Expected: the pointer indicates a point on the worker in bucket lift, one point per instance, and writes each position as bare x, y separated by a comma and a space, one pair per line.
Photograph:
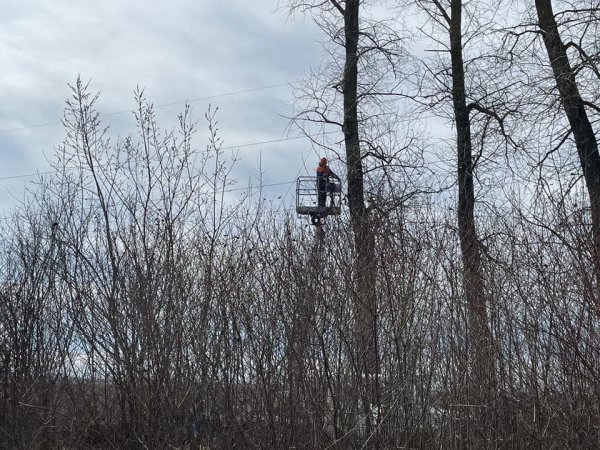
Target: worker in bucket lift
323, 184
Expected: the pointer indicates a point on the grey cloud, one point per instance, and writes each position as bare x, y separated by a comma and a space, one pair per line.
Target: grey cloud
177, 50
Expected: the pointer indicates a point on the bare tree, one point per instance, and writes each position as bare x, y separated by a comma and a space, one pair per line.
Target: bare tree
575, 110
450, 18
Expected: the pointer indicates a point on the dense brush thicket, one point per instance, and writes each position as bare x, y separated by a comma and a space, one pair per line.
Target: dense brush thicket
141, 308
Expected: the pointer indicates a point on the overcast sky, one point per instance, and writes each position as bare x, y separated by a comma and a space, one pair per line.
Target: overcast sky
178, 50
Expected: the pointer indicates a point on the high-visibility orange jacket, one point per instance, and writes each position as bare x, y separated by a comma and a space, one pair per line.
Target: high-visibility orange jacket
323, 171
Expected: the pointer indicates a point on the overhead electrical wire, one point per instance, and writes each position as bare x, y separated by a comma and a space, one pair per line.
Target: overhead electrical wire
231, 147
163, 105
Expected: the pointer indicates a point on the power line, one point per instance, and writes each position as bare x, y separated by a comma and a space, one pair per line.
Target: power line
249, 188
29, 175
231, 147
182, 102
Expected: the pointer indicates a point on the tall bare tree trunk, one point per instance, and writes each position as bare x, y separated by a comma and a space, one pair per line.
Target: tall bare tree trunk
574, 106
364, 239
480, 339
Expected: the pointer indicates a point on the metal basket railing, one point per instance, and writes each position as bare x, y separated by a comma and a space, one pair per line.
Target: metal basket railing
318, 197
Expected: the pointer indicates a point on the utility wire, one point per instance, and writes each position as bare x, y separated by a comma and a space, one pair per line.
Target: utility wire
230, 147
183, 102
28, 175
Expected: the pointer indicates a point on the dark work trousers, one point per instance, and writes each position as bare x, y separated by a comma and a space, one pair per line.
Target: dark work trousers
322, 188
